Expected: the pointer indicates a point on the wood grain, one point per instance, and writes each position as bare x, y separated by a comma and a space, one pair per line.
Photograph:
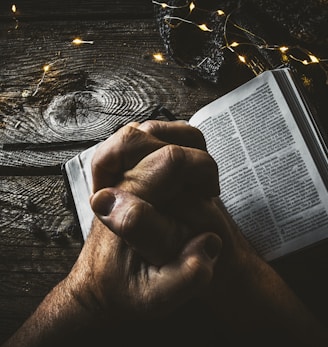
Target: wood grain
89, 89
39, 243
81, 9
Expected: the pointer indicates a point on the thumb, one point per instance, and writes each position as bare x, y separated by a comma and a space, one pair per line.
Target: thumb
198, 259
192, 271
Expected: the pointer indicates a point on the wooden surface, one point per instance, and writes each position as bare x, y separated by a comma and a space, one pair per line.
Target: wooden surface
88, 91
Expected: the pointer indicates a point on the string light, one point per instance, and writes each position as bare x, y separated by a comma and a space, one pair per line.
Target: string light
78, 41
169, 19
286, 52
158, 57
255, 66
314, 59
204, 27
234, 44
283, 49
165, 5
14, 10
242, 59
45, 69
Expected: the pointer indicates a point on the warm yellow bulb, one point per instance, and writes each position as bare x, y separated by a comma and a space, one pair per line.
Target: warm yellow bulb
13, 8
242, 58
164, 5
313, 58
234, 44
204, 27
46, 68
220, 12
283, 49
305, 62
191, 6
158, 57
77, 41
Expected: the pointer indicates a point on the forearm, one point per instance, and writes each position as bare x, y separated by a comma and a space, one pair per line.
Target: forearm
57, 320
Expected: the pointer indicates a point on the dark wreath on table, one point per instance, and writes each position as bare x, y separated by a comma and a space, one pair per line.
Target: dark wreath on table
212, 37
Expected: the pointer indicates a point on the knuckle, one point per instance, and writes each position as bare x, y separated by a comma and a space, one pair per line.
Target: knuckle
197, 273
149, 126
174, 156
131, 221
128, 133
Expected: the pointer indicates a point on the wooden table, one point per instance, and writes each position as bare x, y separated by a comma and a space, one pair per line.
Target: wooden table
85, 91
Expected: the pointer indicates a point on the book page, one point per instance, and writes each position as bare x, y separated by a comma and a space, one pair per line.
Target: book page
79, 177
268, 178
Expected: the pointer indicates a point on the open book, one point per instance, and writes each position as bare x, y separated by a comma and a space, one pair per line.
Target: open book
272, 163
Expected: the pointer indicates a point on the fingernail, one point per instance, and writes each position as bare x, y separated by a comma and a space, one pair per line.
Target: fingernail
102, 203
212, 246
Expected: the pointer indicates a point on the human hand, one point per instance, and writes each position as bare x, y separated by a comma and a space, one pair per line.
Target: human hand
118, 277
245, 292
112, 281
160, 195
157, 192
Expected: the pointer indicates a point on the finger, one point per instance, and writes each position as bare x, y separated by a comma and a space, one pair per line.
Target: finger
178, 132
171, 171
124, 149
198, 214
121, 152
155, 237
189, 274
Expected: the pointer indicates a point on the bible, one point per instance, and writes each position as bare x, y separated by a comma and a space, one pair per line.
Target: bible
272, 161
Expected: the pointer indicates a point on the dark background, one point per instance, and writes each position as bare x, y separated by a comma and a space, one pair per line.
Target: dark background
91, 89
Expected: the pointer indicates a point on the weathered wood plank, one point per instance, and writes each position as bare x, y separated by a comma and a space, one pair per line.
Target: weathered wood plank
38, 244
89, 89
47, 9
32, 205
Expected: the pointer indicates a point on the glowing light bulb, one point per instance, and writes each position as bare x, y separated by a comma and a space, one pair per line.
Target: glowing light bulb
192, 6
234, 44
14, 8
220, 12
78, 41
46, 68
283, 49
204, 27
242, 58
313, 59
158, 57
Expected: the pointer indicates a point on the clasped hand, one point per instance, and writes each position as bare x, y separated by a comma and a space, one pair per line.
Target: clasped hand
161, 237
155, 242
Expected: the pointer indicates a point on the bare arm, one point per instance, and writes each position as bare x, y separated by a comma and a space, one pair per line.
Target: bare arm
110, 286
